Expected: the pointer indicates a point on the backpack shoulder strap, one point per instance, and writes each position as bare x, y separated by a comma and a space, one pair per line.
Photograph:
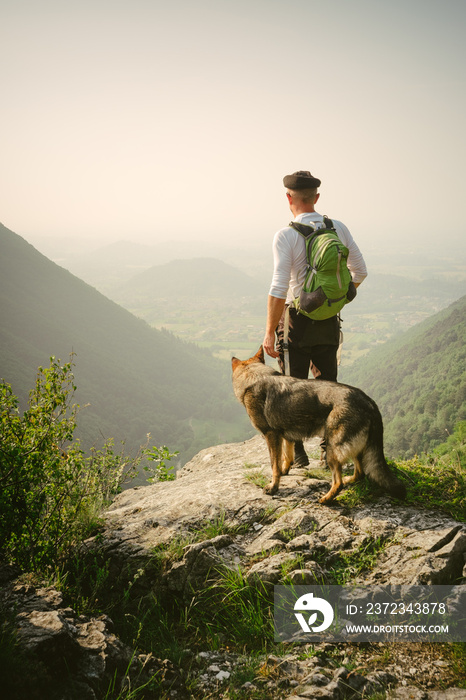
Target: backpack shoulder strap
310, 234
306, 230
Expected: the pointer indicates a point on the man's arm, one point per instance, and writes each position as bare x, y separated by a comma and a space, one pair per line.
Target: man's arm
275, 307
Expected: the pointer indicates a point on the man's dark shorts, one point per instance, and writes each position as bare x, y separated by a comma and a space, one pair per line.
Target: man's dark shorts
312, 345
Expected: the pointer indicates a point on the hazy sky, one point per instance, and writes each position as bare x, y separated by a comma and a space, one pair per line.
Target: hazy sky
146, 120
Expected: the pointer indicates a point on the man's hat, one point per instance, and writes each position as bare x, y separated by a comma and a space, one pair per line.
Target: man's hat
301, 180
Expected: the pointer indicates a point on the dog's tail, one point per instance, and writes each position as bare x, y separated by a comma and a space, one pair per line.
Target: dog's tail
374, 464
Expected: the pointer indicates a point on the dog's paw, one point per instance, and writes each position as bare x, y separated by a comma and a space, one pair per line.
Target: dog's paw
270, 489
324, 501
327, 499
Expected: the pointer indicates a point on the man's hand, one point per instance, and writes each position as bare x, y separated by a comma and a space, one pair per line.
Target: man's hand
275, 309
269, 345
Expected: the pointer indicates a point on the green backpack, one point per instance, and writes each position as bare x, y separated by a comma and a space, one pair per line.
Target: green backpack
328, 285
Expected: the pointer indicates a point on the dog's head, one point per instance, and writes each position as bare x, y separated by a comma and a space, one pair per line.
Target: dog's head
258, 357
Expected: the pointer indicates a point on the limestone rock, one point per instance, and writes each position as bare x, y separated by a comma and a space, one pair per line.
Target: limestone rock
70, 656
416, 546
200, 562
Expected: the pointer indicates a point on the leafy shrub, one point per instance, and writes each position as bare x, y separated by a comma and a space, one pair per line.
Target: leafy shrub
159, 456
51, 493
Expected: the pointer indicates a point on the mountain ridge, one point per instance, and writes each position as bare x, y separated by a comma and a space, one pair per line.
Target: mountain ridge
137, 379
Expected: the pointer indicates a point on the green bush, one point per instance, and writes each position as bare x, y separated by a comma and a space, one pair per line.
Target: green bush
51, 493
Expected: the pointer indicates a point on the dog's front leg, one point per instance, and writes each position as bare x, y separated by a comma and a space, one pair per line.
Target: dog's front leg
274, 443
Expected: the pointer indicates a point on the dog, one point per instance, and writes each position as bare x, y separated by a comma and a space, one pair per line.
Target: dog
285, 409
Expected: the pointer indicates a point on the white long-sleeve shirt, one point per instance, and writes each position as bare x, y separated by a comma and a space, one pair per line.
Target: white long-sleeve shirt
289, 255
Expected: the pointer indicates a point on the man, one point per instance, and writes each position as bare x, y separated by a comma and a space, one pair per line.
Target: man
312, 344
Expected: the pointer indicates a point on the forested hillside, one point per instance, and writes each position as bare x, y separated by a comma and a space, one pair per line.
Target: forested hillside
419, 381
136, 379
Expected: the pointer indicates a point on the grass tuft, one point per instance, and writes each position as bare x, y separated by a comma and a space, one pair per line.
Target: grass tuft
254, 473
433, 485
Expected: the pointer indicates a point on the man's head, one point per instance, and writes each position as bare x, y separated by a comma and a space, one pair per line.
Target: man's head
301, 191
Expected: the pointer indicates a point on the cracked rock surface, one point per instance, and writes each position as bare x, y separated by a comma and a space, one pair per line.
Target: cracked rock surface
423, 547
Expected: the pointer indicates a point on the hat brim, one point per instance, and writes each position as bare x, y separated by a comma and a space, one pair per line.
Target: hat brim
299, 182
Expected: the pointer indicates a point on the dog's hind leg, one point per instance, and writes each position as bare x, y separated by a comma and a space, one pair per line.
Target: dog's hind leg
274, 443
337, 481
358, 472
288, 456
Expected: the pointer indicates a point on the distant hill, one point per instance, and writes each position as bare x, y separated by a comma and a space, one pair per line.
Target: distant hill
136, 379
107, 267
418, 379
206, 278
202, 299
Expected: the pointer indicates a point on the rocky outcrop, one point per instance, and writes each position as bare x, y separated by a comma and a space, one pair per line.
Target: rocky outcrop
65, 656
413, 546
219, 517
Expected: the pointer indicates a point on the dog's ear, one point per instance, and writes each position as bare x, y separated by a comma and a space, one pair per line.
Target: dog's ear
235, 362
259, 356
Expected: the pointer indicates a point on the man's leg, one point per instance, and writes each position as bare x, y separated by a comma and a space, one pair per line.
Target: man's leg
324, 365
299, 363
299, 366
300, 358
